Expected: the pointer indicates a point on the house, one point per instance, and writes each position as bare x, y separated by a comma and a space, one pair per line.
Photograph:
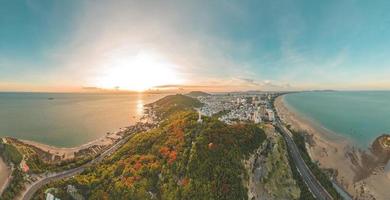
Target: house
23, 166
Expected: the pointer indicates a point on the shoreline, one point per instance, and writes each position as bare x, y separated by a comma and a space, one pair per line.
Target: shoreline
69, 152
314, 126
333, 151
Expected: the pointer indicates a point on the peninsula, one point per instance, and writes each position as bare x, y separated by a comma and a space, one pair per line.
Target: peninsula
230, 144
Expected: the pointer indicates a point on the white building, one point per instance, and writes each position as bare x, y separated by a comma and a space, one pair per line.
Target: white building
49, 196
256, 117
200, 117
270, 114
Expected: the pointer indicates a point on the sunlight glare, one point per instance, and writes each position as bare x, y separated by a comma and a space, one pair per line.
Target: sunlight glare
138, 73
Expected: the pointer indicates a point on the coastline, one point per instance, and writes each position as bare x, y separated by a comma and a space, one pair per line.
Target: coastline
333, 151
4, 175
294, 116
69, 152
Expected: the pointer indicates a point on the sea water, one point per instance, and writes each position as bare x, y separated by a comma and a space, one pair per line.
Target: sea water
360, 116
68, 120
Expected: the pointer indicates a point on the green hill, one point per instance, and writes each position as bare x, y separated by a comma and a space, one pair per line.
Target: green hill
10, 154
197, 94
181, 159
174, 103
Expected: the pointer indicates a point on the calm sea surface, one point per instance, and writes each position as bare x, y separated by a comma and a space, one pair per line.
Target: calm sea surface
68, 120
359, 116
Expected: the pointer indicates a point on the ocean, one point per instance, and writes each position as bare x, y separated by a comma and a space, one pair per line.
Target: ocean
360, 116
68, 120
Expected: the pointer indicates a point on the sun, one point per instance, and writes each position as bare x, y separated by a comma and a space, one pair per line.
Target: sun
137, 73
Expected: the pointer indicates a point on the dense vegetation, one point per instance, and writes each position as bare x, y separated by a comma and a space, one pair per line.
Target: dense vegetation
277, 177
13, 152
181, 159
38, 166
10, 153
299, 139
15, 186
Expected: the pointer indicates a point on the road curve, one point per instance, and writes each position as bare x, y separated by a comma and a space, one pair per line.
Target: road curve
313, 184
35, 187
30, 191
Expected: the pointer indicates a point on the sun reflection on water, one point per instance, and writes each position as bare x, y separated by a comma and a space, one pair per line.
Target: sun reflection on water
140, 106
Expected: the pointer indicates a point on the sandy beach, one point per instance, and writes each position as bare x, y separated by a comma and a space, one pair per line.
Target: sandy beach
4, 174
338, 153
69, 153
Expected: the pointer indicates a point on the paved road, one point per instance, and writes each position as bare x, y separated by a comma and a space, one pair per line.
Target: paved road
313, 184
30, 191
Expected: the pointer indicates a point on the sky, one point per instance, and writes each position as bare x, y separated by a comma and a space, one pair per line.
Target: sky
221, 45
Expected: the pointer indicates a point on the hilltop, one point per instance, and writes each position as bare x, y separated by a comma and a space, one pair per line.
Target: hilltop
173, 103
197, 94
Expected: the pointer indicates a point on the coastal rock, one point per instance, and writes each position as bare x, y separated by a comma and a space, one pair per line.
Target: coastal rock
381, 148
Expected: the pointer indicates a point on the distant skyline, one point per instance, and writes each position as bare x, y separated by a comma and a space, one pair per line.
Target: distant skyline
73, 45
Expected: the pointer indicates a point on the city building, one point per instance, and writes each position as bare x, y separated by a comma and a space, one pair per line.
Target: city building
256, 117
270, 115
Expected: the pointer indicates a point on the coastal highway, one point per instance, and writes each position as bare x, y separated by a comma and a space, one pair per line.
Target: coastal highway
30, 191
313, 184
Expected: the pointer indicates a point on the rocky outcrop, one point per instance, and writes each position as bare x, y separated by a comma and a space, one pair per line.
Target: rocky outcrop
381, 148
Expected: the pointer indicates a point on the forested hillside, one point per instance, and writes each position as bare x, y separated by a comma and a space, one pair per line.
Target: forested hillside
181, 159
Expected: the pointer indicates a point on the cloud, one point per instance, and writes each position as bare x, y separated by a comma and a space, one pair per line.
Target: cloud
267, 45
249, 81
181, 32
